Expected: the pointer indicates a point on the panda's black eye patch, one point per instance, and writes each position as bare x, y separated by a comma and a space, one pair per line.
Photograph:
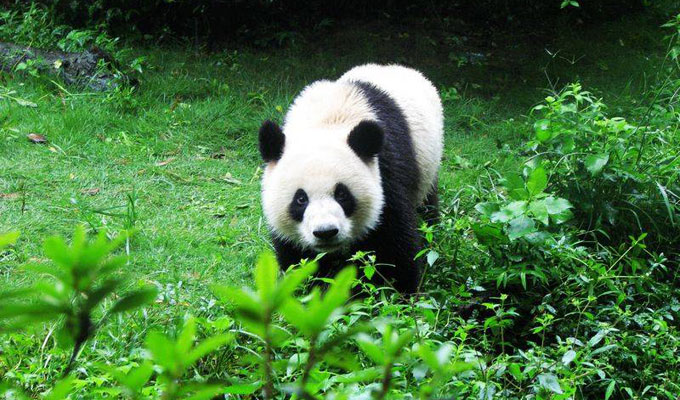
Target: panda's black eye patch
301, 198
297, 207
345, 198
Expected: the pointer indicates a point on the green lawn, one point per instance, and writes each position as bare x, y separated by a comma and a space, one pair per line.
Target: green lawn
182, 147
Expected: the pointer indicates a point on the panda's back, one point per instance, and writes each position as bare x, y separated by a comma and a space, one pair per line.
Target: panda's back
421, 107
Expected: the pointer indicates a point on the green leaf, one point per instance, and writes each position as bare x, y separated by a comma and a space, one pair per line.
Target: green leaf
521, 226
568, 357
662, 190
514, 184
246, 302
49, 270
432, 256
430, 358
512, 210
456, 367
25, 103
186, 337
549, 382
372, 350
136, 378
516, 208
243, 388
36, 310
401, 342
161, 348
540, 211
336, 295
597, 338
369, 270
209, 345
296, 315
487, 208
8, 238
135, 299
610, 390
97, 295
558, 209
292, 280
266, 273
503, 215
55, 248
542, 129
516, 372
16, 293
61, 390
603, 349
537, 182
489, 234
557, 205
595, 162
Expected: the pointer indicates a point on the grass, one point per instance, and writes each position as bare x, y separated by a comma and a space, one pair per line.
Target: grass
177, 159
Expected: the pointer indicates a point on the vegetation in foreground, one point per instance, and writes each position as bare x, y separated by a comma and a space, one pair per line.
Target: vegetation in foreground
552, 274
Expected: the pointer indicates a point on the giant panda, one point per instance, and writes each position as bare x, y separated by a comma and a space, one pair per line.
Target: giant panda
354, 164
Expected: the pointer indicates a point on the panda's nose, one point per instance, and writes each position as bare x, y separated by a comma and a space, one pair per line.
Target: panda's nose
326, 233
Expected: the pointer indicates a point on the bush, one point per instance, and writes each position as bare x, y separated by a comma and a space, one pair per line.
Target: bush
621, 177
587, 337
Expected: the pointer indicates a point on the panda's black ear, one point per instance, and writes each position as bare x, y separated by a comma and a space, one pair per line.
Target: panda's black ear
272, 141
366, 139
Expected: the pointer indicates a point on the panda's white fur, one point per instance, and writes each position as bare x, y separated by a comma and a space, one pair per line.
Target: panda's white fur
316, 155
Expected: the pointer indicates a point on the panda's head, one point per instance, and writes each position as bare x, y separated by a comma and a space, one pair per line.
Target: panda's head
322, 189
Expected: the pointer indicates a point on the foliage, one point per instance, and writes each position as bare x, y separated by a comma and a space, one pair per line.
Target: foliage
35, 25
302, 345
621, 177
523, 297
82, 277
288, 22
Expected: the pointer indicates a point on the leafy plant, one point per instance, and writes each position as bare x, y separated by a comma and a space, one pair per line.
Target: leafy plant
82, 276
520, 230
619, 180
175, 358
7, 239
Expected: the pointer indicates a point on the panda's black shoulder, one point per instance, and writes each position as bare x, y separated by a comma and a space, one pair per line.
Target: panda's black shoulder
398, 167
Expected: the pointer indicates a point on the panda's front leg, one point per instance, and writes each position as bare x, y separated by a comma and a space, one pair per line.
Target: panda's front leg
287, 254
396, 242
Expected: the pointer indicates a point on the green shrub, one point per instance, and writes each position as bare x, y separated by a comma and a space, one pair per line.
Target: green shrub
82, 276
621, 177
604, 316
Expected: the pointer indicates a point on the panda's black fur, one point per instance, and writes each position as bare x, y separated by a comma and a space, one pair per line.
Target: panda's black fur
395, 240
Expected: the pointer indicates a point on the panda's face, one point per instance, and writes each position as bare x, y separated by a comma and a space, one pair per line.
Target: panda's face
321, 195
